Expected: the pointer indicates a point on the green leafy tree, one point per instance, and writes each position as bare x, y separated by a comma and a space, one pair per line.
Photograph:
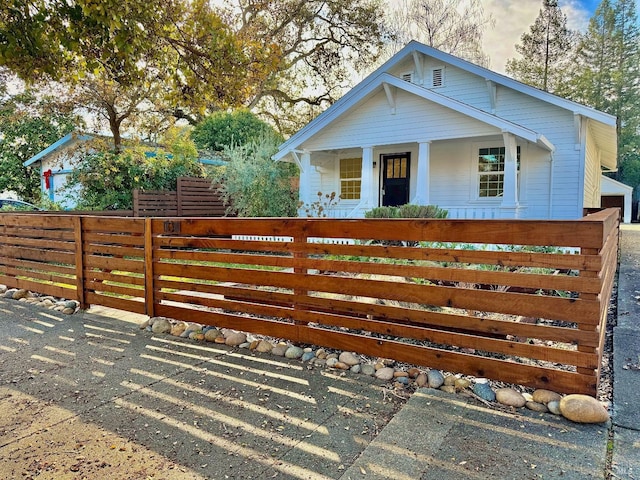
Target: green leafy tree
321, 43
253, 185
608, 77
121, 59
107, 178
28, 125
227, 129
545, 50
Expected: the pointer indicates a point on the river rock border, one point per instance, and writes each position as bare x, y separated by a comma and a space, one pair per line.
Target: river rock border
577, 408
68, 307
403, 378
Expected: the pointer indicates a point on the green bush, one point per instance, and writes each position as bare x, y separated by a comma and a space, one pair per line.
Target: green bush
107, 178
407, 211
252, 184
382, 212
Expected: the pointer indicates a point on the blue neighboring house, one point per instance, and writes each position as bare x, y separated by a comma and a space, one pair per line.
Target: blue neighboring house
57, 161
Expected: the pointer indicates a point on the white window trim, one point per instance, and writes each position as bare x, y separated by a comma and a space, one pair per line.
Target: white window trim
347, 201
475, 174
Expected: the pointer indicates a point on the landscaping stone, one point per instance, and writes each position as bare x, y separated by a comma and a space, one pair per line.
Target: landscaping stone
384, 373
448, 388
368, 369
462, 383
235, 339
546, 396
211, 334
435, 379
349, 358
510, 397
450, 380
583, 409
484, 391
279, 350
308, 356
161, 325
19, 294
554, 407
331, 362
421, 380
537, 407
293, 352
264, 346
178, 329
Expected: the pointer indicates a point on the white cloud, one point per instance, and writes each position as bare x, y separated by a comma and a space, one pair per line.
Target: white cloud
513, 18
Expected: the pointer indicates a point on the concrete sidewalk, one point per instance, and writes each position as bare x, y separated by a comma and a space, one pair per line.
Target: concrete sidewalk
92, 396
626, 356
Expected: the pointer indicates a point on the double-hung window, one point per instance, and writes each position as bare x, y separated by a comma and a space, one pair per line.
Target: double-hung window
350, 178
491, 171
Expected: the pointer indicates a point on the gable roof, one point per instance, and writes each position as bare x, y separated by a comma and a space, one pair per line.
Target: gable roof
375, 83
68, 138
606, 122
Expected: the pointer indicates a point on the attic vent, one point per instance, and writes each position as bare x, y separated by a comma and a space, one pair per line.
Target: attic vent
407, 77
437, 77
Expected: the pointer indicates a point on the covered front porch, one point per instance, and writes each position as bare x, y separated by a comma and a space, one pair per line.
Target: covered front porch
481, 177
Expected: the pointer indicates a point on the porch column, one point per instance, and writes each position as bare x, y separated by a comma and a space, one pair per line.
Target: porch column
510, 184
366, 184
304, 190
422, 174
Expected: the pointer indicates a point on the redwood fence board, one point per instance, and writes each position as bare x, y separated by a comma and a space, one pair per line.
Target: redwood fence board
417, 291
194, 197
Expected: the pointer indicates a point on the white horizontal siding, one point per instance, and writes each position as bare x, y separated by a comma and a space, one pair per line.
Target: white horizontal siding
415, 119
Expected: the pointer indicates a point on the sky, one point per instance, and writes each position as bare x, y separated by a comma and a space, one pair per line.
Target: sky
514, 17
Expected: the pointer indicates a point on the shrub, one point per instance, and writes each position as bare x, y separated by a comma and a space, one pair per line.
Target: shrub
407, 211
421, 211
253, 185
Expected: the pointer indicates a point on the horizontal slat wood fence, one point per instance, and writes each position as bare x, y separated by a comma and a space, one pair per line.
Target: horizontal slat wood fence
518, 301
194, 197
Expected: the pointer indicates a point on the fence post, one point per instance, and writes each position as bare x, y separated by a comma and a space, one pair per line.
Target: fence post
299, 252
179, 188
149, 291
136, 202
591, 328
79, 260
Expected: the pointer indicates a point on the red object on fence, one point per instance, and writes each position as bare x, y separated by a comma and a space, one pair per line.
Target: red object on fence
47, 178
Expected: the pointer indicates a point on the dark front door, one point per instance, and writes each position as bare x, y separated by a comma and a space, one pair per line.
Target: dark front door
395, 179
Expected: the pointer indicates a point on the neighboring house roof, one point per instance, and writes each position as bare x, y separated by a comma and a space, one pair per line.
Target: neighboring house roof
67, 139
78, 136
604, 128
613, 187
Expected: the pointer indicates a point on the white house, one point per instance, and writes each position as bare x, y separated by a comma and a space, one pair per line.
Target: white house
430, 128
